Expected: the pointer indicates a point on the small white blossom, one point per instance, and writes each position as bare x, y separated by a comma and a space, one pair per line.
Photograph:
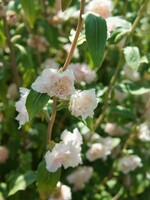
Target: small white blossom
62, 192
131, 74
74, 137
82, 103
55, 83
22, 117
80, 176
113, 129
67, 153
101, 7
82, 72
144, 132
129, 163
101, 149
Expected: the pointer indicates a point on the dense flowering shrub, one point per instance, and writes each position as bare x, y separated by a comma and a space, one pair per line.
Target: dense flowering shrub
74, 100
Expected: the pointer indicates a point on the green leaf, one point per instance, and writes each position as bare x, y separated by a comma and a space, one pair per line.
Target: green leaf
46, 181
96, 35
65, 4
21, 182
29, 9
35, 102
132, 57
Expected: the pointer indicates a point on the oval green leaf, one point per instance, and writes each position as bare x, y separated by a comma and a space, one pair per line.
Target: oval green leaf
46, 181
96, 35
65, 4
35, 102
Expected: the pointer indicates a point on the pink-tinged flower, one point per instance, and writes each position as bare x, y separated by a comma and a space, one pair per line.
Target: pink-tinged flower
144, 132
22, 117
82, 103
50, 63
55, 83
38, 42
80, 177
4, 153
62, 192
67, 48
66, 155
114, 130
82, 72
101, 7
74, 137
11, 17
129, 163
101, 149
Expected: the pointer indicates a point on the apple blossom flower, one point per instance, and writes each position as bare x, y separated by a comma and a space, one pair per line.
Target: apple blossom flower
38, 42
82, 72
50, 63
74, 137
67, 153
144, 132
114, 130
129, 163
11, 17
55, 83
101, 7
82, 103
131, 74
4, 153
80, 177
101, 149
22, 117
62, 192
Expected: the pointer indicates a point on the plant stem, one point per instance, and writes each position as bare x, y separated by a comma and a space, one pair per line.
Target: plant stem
80, 21
120, 62
53, 116
52, 119
13, 66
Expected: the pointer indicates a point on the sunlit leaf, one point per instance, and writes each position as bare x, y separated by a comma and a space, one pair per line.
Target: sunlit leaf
96, 35
132, 57
35, 102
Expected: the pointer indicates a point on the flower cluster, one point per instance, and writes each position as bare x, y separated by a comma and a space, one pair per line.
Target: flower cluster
129, 163
22, 117
80, 177
100, 149
67, 153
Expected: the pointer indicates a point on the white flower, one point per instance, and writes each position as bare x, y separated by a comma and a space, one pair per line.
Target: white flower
113, 129
144, 132
50, 63
55, 83
67, 153
82, 72
82, 103
62, 154
74, 137
101, 7
129, 163
101, 149
80, 176
131, 74
62, 192
22, 117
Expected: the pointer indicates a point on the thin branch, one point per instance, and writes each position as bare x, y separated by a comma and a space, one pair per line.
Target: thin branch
52, 119
79, 26
114, 77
